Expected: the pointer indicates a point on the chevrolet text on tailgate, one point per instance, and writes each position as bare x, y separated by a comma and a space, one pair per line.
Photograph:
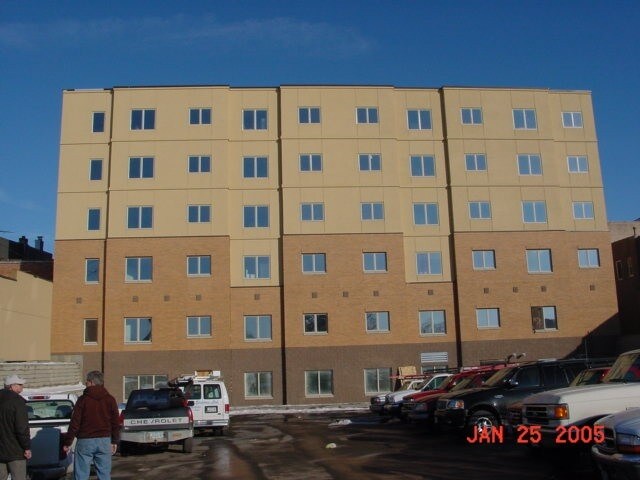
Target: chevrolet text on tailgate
157, 417
566, 414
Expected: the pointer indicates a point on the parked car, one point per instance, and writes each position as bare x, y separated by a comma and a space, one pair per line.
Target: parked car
487, 406
49, 418
393, 401
420, 407
156, 417
378, 401
207, 396
577, 408
618, 454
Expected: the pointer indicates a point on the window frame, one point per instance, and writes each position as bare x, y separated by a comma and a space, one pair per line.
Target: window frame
425, 207
310, 210
158, 380
141, 171
97, 124
471, 115
98, 162
309, 115
543, 311
369, 162
430, 315
256, 164
313, 319
433, 258
138, 326
370, 116
201, 117
422, 165
479, 210
260, 336
199, 213
199, 261
371, 211
581, 163
85, 330
199, 319
257, 210
573, 116
475, 157
525, 120
537, 260
308, 377
422, 115
483, 256
201, 161
489, 311
379, 317
534, 204
137, 263
584, 209
259, 382
147, 119
94, 215
89, 272
375, 259
138, 221
311, 158
528, 161
313, 257
255, 122
379, 379
588, 254
256, 259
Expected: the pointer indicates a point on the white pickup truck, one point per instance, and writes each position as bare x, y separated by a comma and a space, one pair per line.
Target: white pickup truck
566, 416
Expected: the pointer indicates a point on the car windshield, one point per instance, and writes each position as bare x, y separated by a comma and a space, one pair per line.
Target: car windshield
462, 384
49, 409
626, 369
500, 376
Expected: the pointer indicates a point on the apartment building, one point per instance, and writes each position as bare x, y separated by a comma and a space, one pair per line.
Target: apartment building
309, 240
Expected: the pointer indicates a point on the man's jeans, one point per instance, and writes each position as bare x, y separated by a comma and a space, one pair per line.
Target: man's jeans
17, 469
97, 450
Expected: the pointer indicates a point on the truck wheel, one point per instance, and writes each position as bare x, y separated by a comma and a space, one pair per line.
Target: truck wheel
125, 449
187, 445
482, 420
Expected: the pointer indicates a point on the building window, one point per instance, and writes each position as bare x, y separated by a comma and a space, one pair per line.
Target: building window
572, 119
93, 219
318, 383
429, 263
199, 163
425, 213
367, 115
377, 321
309, 114
583, 210
95, 169
544, 318
539, 261
475, 162
419, 119
137, 330
524, 119
254, 119
479, 210
432, 322
141, 167
258, 385
488, 317
90, 331
484, 259
316, 323
311, 162
577, 164
314, 263
372, 211
529, 165
135, 382
257, 267
374, 261
257, 327
98, 122
256, 216
534, 212
200, 116
471, 116
138, 269
255, 167
139, 217
143, 119
370, 162
311, 212
588, 258
423, 166
199, 326
377, 380
631, 271
619, 269
199, 213
199, 265
92, 270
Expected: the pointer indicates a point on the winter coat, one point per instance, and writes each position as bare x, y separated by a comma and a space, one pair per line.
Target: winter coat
95, 415
14, 426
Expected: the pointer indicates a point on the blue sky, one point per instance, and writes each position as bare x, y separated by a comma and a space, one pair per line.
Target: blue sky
47, 46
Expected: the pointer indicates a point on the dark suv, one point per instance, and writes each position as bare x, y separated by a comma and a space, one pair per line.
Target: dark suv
487, 406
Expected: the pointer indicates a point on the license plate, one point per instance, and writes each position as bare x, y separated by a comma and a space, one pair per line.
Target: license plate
156, 435
210, 409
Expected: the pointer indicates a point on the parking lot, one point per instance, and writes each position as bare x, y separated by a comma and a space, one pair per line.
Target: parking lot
346, 445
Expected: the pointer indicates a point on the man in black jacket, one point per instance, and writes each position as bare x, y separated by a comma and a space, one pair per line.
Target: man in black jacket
15, 442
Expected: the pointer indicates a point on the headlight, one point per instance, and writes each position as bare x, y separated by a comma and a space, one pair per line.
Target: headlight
455, 404
559, 412
628, 443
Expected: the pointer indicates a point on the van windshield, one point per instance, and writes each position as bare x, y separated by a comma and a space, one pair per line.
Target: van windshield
625, 369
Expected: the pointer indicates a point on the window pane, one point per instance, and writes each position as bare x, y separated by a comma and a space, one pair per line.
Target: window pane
206, 116
425, 119
263, 267
412, 116
98, 122
96, 170
149, 119
248, 119
136, 119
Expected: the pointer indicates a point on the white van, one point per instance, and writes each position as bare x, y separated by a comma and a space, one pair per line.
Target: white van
208, 398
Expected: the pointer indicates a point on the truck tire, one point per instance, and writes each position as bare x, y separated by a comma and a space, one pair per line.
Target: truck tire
125, 449
187, 445
482, 419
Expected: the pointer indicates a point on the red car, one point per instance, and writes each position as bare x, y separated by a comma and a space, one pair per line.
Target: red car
419, 407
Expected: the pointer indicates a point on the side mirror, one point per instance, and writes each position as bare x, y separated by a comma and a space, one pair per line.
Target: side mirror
190, 403
512, 383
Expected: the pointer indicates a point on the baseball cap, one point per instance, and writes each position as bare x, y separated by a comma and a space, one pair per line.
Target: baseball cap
14, 379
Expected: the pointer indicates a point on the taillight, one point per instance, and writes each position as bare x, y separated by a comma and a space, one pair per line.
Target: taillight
190, 415
227, 408
121, 419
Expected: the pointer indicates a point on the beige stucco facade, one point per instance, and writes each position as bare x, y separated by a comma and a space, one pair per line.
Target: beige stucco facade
376, 314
